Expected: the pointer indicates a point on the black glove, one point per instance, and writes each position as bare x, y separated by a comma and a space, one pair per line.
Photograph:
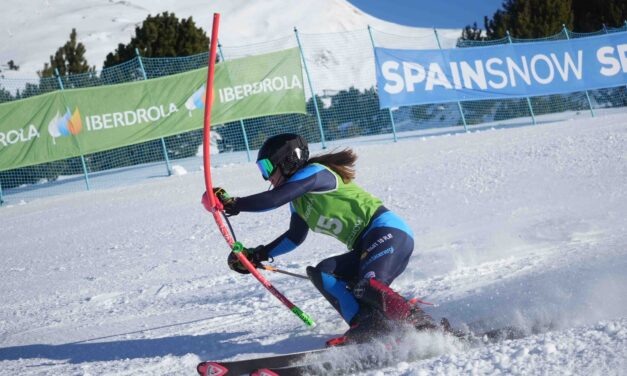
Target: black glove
256, 256
228, 202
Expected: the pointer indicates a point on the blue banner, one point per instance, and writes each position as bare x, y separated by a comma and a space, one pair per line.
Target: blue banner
409, 77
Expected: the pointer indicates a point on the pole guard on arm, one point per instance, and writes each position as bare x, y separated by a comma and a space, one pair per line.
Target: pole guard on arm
236, 247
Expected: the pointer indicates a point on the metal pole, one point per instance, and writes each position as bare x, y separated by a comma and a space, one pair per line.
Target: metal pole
389, 109
241, 122
85, 173
1, 199
587, 95
459, 104
533, 116
163, 147
313, 94
276, 270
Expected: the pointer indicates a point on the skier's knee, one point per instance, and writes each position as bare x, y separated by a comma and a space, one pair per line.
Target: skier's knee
311, 271
326, 266
315, 276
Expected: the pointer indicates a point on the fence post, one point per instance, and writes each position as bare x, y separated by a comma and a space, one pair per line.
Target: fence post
459, 104
533, 116
389, 109
313, 93
1, 199
163, 147
587, 95
241, 122
87, 185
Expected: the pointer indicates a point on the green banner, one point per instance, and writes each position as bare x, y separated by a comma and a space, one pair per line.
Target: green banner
76, 122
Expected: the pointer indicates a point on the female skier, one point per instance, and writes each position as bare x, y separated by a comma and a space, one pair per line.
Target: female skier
323, 198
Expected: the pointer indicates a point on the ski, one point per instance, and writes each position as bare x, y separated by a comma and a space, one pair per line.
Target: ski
373, 362
358, 365
246, 366
298, 363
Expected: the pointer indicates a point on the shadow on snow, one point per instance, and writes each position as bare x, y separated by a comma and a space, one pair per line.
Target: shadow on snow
215, 346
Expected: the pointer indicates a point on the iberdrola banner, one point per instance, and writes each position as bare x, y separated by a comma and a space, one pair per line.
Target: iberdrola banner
75, 122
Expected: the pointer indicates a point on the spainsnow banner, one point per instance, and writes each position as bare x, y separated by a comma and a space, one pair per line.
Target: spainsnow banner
75, 122
409, 77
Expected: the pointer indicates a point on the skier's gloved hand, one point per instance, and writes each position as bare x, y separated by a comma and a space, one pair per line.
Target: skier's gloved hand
224, 202
255, 255
228, 202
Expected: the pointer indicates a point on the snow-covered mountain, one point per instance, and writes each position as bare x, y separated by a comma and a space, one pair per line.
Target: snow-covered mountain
32, 30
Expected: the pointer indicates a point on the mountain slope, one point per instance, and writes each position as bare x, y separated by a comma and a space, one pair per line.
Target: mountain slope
34, 29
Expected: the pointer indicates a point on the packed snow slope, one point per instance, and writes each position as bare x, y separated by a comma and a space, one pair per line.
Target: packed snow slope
523, 226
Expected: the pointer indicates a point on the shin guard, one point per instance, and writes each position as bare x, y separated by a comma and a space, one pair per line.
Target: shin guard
383, 298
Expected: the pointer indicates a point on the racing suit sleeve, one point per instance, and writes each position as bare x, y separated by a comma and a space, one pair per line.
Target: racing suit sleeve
311, 178
289, 240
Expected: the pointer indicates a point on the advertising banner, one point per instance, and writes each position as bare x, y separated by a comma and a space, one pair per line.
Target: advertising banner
75, 122
410, 77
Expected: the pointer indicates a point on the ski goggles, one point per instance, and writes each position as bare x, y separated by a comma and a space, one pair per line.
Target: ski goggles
266, 167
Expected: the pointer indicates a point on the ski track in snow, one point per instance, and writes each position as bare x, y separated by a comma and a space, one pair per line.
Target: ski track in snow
523, 226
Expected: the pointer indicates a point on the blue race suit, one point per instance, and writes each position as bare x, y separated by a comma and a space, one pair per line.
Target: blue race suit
381, 251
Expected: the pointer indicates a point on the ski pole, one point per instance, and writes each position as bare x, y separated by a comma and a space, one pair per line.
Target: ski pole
236, 247
277, 270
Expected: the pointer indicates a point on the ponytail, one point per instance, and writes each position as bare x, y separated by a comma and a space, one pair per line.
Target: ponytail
342, 162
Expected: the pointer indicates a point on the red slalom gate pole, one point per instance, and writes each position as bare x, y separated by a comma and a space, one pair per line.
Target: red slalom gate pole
236, 247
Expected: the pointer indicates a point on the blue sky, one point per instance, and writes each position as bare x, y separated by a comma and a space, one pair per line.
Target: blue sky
423, 13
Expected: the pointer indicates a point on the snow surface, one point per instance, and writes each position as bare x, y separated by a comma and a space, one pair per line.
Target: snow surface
523, 226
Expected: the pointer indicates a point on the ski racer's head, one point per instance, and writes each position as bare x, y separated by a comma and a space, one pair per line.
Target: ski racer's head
281, 156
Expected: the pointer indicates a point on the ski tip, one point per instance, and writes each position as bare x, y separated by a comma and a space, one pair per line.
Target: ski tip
211, 369
339, 341
264, 372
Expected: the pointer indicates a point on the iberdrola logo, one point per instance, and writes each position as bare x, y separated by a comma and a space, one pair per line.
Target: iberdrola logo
65, 125
197, 100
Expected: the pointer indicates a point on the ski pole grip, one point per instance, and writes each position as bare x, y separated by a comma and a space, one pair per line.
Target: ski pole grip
303, 316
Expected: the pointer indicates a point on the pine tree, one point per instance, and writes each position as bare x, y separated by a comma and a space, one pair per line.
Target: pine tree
69, 59
162, 36
591, 15
5, 95
530, 18
540, 18
472, 33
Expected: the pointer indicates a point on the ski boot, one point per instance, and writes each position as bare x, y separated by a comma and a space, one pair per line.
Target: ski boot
420, 320
367, 324
396, 309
